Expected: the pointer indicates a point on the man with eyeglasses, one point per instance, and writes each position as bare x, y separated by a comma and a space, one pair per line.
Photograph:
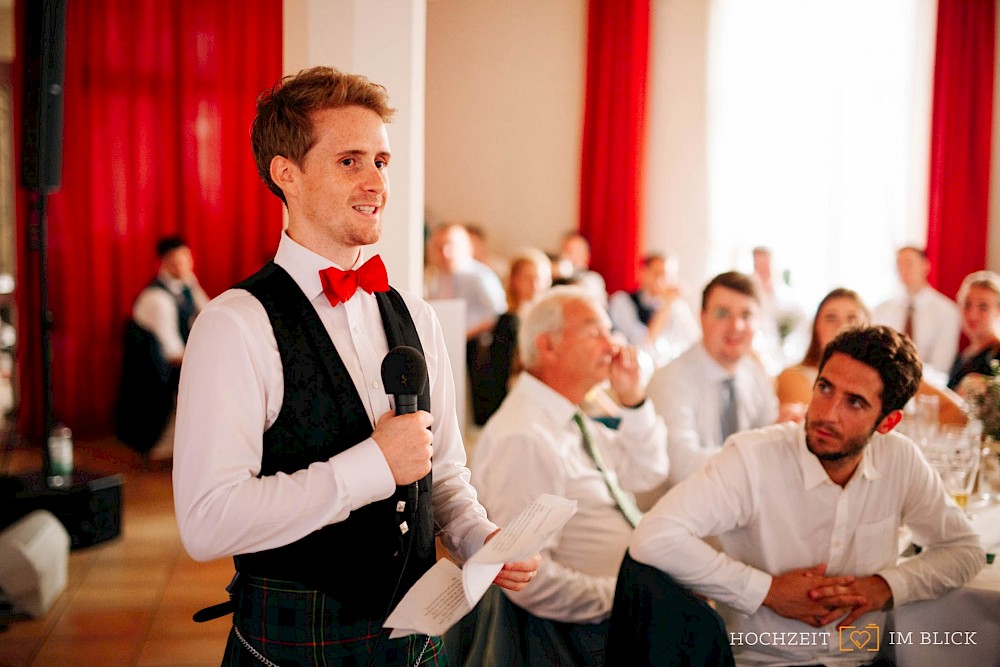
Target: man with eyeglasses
717, 387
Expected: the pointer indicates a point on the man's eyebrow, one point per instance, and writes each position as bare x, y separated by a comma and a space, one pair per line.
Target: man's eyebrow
860, 398
355, 152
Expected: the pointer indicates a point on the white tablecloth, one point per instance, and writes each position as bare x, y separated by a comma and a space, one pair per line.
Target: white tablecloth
960, 628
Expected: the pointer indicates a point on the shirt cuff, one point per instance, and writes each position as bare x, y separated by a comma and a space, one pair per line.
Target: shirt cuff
364, 474
897, 585
640, 419
756, 590
476, 539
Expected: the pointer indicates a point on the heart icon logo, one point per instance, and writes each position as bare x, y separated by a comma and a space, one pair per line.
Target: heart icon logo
860, 638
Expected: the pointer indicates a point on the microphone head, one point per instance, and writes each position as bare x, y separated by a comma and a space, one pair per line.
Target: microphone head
404, 371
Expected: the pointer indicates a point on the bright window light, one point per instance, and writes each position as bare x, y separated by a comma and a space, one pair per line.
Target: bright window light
818, 135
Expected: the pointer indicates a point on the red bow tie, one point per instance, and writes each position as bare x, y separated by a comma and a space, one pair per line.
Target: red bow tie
339, 286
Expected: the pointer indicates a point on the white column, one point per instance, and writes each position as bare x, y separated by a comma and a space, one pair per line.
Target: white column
385, 41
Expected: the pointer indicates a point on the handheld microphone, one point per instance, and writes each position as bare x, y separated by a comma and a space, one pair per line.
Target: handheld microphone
404, 375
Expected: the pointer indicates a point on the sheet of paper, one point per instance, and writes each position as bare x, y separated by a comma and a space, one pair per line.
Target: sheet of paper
522, 538
445, 593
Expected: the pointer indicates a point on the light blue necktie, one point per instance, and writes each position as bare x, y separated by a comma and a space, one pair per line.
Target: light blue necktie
729, 420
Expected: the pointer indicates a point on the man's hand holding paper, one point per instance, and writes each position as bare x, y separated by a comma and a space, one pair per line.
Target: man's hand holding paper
445, 593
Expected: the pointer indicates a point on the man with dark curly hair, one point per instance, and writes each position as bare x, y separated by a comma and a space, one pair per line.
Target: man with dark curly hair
807, 516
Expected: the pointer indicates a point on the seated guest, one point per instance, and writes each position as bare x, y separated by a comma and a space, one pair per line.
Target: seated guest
979, 298
575, 252
539, 441
154, 344
457, 275
655, 317
840, 309
530, 276
807, 516
928, 317
168, 306
717, 387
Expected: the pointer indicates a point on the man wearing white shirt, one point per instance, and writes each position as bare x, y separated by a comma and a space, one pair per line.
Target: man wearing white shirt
929, 318
539, 442
808, 516
289, 455
154, 343
717, 387
168, 306
459, 275
655, 317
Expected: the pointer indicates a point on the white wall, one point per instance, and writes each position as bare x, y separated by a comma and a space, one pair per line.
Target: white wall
504, 118
338, 33
677, 167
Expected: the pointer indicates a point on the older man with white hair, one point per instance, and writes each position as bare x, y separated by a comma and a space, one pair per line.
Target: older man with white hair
539, 441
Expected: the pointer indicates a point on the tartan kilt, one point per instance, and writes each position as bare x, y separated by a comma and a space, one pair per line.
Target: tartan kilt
291, 625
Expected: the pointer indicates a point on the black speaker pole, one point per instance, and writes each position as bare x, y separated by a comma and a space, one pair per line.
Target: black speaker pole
45, 65
38, 239
46, 323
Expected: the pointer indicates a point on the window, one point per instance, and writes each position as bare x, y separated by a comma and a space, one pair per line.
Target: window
818, 137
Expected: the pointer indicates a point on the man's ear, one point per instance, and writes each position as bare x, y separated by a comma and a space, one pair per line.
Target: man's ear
890, 422
545, 344
284, 173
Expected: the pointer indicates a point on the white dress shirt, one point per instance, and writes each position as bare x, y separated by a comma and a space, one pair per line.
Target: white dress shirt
937, 324
774, 509
231, 391
477, 285
687, 392
532, 446
681, 331
156, 311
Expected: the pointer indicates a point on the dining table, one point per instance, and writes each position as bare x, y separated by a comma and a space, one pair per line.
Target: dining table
962, 627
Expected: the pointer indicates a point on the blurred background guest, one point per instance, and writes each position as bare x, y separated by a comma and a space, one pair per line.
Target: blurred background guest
455, 274
979, 298
153, 348
655, 317
575, 252
717, 387
841, 309
929, 318
530, 276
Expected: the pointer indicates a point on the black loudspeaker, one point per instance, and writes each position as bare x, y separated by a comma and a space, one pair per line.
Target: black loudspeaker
44, 74
90, 509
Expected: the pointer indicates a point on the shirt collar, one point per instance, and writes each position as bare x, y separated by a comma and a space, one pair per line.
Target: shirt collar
813, 473
304, 265
714, 372
548, 400
173, 284
922, 294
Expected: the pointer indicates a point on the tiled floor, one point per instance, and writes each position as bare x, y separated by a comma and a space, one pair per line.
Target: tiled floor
129, 600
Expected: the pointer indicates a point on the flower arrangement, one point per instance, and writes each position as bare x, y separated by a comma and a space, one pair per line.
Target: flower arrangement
982, 394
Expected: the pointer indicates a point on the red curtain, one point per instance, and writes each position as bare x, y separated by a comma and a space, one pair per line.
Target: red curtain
159, 97
960, 141
612, 179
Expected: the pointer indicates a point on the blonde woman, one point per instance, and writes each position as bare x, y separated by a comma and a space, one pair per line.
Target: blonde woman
979, 299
